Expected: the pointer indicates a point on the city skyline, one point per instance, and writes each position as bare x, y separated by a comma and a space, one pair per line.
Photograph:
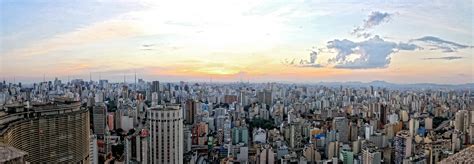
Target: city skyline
302, 41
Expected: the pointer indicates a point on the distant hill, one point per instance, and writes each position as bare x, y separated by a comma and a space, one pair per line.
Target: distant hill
385, 84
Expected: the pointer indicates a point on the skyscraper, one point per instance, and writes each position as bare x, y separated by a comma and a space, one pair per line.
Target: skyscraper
403, 146
49, 133
99, 115
266, 155
190, 111
341, 124
155, 88
166, 132
265, 96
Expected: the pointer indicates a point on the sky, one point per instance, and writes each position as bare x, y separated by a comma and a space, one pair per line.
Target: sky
245, 40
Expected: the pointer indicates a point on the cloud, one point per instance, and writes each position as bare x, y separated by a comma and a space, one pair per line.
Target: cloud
148, 45
312, 62
440, 44
444, 58
372, 53
375, 18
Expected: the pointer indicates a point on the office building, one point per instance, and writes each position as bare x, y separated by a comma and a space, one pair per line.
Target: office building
99, 116
166, 134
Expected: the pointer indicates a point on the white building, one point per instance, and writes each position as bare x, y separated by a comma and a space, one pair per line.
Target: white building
166, 132
259, 136
93, 150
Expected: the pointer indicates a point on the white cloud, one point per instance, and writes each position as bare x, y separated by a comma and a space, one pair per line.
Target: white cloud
437, 43
375, 18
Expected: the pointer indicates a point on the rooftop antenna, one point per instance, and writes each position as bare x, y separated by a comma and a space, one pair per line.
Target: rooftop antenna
90, 76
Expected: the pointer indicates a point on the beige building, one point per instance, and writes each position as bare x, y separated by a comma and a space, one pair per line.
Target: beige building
166, 132
49, 133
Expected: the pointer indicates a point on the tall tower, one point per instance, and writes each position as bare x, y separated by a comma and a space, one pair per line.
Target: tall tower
341, 124
190, 111
403, 146
99, 115
166, 132
155, 88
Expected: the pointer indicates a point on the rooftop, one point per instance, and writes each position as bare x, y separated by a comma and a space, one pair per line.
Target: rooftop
464, 156
8, 153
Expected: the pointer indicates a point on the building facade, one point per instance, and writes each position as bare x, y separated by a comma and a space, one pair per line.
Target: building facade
49, 133
166, 134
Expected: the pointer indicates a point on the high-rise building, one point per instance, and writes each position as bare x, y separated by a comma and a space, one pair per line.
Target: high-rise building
49, 133
266, 155
190, 113
428, 123
240, 135
347, 157
155, 88
370, 155
229, 99
93, 150
341, 125
99, 116
166, 134
403, 146
461, 120
265, 97
413, 126
311, 153
11, 155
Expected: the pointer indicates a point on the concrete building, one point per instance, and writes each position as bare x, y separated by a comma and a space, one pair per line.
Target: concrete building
266, 155
310, 152
265, 97
50, 133
190, 111
99, 118
11, 155
93, 150
166, 132
341, 125
259, 136
371, 154
464, 156
403, 146
156, 93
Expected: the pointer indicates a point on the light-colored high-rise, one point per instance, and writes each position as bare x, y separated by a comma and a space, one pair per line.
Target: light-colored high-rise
166, 132
49, 133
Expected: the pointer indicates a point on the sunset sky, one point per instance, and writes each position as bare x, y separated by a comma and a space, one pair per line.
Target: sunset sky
291, 41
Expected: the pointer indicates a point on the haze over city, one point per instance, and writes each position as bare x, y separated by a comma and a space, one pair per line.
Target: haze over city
257, 41
236, 82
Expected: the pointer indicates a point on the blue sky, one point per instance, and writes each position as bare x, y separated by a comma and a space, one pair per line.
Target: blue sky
398, 41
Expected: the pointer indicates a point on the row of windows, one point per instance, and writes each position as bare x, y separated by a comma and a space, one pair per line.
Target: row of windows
156, 114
